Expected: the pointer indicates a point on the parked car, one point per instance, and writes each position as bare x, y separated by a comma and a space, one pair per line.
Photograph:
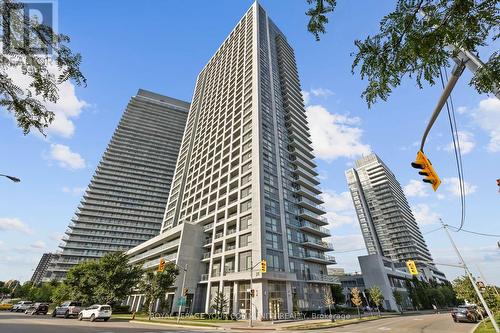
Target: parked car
67, 309
95, 312
37, 308
466, 313
6, 306
21, 306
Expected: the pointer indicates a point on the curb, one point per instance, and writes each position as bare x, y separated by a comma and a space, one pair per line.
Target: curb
329, 327
177, 325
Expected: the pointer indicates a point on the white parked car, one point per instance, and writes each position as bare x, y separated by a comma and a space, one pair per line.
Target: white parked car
21, 306
95, 312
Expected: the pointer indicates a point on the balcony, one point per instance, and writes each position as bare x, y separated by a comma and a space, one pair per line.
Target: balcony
303, 181
315, 229
204, 277
208, 227
230, 231
219, 234
318, 245
312, 195
312, 217
322, 278
311, 205
206, 255
320, 258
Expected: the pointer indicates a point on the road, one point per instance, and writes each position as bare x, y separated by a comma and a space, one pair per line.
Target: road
431, 323
21, 323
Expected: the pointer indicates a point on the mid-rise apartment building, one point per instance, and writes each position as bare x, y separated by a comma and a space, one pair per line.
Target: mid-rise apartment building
245, 187
387, 223
124, 203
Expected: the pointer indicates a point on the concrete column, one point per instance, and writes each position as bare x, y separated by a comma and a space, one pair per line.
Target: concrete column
289, 298
235, 297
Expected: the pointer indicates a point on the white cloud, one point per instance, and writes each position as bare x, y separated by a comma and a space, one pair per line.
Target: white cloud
487, 115
14, 224
335, 135
322, 92
56, 236
65, 157
306, 96
76, 191
466, 141
339, 208
415, 188
68, 106
40, 245
348, 242
452, 186
424, 215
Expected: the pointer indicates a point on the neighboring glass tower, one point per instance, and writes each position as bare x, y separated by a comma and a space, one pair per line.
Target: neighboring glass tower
386, 220
245, 188
125, 200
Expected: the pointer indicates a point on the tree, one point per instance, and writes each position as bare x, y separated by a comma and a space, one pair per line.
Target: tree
337, 293
106, 280
154, 284
356, 299
116, 278
398, 297
465, 293
329, 302
46, 67
376, 297
61, 293
219, 303
413, 41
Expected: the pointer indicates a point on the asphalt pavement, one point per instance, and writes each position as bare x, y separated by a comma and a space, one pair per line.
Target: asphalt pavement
21, 323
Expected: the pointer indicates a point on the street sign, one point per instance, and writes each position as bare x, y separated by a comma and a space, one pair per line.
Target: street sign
181, 301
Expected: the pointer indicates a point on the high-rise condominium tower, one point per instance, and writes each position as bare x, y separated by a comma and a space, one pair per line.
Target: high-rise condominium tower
125, 200
386, 220
41, 268
245, 188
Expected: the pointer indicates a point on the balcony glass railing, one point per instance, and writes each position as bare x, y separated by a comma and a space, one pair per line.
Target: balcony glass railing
311, 203
323, 230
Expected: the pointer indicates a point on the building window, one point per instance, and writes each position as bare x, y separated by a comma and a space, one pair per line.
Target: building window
245, 239
245, 261
245, 222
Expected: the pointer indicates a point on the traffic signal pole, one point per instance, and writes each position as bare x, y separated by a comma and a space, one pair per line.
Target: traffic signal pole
469, 275
182, 291
455, 75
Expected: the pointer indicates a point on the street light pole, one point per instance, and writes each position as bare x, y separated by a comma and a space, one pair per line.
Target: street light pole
492, 318
182, 291
14, 179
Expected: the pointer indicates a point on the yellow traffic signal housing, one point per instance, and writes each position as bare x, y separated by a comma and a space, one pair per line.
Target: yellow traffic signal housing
252, 293
412, 268
263, 266
185, 291
424, 164
161, 266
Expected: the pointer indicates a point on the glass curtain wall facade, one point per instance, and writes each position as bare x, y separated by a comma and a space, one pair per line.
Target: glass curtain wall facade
124, 203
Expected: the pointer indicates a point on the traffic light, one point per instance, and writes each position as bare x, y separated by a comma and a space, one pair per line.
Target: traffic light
263, 266
498, 183
423, 163
252, 292
412, 268
185, 292
161, 266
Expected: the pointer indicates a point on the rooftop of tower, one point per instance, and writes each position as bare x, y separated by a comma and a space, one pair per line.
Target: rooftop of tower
165, 99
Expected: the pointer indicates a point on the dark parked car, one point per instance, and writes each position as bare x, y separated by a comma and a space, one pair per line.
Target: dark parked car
37, 308
67, 309
466, 313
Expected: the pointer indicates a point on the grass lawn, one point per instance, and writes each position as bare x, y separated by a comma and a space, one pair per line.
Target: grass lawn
330, 324
487, 326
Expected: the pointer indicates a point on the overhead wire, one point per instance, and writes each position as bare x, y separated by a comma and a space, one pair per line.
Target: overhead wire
456, 149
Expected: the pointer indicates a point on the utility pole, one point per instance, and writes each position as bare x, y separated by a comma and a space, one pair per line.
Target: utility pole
492, 318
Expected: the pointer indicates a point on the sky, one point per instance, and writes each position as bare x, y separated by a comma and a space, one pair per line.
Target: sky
162, 45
